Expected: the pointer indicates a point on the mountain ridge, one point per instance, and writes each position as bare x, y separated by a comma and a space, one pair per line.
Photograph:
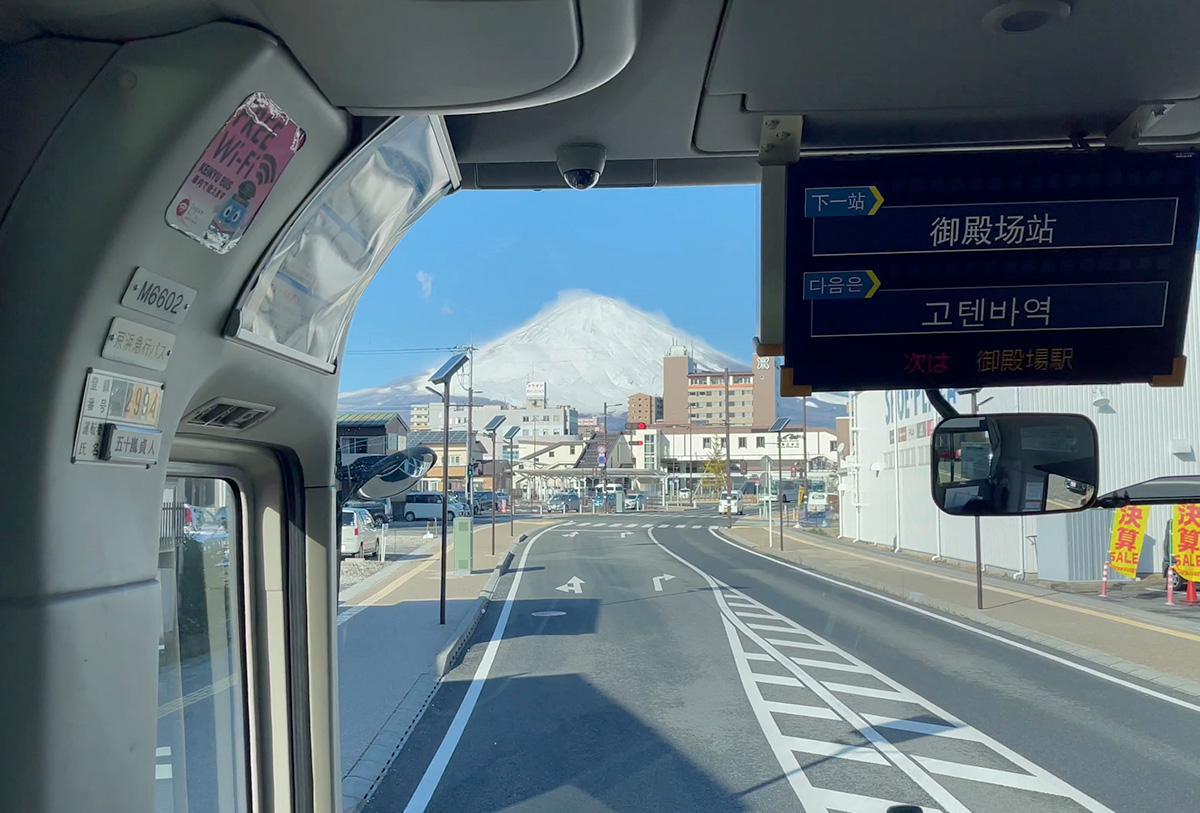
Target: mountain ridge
589, 349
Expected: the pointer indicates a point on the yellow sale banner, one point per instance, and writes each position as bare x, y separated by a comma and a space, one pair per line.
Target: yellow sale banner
1128, 533
1185, 541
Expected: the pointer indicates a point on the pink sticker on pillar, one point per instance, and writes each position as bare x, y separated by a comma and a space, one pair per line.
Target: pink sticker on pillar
239, 168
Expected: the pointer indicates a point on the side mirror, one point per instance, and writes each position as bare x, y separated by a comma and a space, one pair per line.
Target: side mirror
1012, 464
392, 474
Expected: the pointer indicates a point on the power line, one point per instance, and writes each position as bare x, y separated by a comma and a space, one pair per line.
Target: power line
395, 350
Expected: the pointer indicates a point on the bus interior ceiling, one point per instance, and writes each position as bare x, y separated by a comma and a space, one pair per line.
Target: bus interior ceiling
107, 107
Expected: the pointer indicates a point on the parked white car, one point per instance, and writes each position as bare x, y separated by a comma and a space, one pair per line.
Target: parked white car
426, 506
731, 503
360, 534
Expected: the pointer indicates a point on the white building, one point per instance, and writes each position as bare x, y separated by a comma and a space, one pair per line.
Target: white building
1144, 432
542, 422
683, 451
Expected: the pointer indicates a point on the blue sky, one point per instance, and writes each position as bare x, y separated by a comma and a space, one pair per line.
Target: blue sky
484, 262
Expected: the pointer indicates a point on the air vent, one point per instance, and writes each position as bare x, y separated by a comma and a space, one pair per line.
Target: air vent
225, 413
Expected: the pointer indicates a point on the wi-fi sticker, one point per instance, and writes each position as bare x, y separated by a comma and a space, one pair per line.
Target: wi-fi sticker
266, 172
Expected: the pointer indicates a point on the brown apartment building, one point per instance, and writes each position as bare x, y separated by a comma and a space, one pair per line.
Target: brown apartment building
697, 397
643, 408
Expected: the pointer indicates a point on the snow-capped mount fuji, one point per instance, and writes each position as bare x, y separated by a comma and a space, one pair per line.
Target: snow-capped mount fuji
588, 348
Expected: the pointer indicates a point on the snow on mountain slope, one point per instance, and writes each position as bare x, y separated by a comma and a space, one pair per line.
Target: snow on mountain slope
588, 349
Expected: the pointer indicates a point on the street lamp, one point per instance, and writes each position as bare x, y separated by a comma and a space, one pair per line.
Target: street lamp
442, 377
604, 466
778, 427
491, 428
512, 432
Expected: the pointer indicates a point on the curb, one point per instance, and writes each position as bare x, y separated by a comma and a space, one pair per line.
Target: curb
451, 654
1101, 659
360, 784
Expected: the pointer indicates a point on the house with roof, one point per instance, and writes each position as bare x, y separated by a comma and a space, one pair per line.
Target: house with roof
369, 433
455, 461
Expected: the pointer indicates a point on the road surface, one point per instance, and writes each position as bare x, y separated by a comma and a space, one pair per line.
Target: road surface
645, 663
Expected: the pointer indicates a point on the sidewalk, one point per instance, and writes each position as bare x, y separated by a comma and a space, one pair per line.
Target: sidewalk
393, 652
1160, 647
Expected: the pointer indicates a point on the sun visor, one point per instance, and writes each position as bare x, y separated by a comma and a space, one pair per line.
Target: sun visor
300, 300
470, 56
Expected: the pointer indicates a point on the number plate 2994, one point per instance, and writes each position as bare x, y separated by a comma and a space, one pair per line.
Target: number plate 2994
155, 295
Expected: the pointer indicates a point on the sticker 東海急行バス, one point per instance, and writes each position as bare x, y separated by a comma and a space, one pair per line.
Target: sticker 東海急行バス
229, 183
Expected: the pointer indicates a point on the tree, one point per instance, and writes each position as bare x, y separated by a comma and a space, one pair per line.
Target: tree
714, 468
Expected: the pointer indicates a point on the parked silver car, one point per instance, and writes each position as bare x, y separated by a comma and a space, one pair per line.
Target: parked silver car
563, 502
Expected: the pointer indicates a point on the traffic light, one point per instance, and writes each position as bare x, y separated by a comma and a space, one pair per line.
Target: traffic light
641, 424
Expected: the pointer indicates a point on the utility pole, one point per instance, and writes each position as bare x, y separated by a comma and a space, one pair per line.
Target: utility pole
978, 533
470, 433
728, 473
604, 468
804, 449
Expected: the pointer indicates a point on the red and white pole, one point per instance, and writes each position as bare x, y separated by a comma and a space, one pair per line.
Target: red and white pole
1104, 581
1170, 585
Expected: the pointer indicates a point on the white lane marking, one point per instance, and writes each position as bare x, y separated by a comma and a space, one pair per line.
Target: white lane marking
573, 585
164, 751
632, 525
162, 771
658, 581
854, 803
697, 527
748, 605
647, 525
745, 614
680, 526
819, 664
548, 613
916, 727
800, 710
1048, 782
787, 758
437, 765
757, 656
796, 644
858, 753
771, 628
867, 691
664, 525
991, 776
776, 680
1079, 667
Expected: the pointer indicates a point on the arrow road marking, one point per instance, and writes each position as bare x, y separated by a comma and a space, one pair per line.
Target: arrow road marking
572, 534
625, 534
658, 581
573, 585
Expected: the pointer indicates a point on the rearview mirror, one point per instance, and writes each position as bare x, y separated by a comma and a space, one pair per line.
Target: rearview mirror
1010, 464
394, 474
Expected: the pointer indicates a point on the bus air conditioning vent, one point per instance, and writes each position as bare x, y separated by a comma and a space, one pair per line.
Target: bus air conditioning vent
225, 413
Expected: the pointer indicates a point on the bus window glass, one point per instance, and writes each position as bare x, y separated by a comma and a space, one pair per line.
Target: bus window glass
202, 746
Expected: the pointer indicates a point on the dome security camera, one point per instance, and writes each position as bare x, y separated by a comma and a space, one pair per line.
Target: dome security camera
581, 165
